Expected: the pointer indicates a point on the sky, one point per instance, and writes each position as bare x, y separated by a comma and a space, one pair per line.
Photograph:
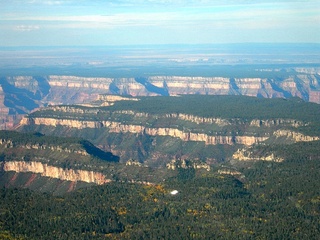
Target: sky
140, 22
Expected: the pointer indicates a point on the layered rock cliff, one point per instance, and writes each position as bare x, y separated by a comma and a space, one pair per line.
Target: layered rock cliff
7, 143
22, 94
155, 130
117, 127
46, 170
299, 85
295, 136
246, 154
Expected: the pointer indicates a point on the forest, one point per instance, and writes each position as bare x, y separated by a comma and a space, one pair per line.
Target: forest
218, 106
225, 107
268, 200
251, 200
18, 140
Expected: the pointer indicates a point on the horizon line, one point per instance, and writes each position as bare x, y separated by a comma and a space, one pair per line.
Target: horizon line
165, 44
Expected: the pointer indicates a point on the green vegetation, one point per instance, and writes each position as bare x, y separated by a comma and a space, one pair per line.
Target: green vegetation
238, 110
272, 201
228, 107
242, 116
38, 141
38, 183
68, 153
266, 200
302, 151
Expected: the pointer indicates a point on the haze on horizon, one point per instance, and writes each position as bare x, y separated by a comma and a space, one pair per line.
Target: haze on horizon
141, 22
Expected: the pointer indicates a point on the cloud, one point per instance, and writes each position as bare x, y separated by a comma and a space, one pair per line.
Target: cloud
114, 19
53, 2
171, 18
26, 28
46, 2
195, 3
250, 18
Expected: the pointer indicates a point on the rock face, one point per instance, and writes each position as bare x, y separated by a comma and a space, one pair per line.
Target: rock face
118, 127
295, 136
246, 154
305, 86
55, 172
142, 130
9, 144
174, 164
23, 94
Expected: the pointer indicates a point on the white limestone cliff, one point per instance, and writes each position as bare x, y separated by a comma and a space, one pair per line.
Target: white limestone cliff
118, 127
46, 170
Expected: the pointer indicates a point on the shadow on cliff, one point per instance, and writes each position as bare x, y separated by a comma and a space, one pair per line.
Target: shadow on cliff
21, 100
152, 88
276, 88
44, 87
96, 152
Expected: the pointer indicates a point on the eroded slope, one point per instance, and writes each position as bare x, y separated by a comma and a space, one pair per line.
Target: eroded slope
157, 130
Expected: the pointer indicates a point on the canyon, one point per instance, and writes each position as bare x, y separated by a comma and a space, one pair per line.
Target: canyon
147, 139
117, 127
153, 131
20, 95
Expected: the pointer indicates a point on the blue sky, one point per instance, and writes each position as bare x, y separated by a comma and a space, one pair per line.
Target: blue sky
126, 22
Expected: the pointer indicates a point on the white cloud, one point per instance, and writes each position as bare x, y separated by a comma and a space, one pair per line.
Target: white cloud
121, 19
26, 28
259, 18
175, 19
45, 2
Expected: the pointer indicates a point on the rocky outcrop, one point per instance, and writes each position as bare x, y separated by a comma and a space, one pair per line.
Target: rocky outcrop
202, 137
62, 122
192, 85
50, 88
229, 172
79, 82
277, 122
174, 164
23, 94
71, 109
133, 163
115, 98
118, 127
121, 86
295, 136
300, 85
219, 121
246, 154
7, 143
55, 172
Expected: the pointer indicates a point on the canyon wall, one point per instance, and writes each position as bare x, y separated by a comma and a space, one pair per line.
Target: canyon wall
295, 136
118, 127
7, 143
247, 155
23, 94
55, 172
305, 86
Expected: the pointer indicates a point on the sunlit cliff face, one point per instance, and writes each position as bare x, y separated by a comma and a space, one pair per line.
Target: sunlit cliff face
122, 128
55, 172
304, 85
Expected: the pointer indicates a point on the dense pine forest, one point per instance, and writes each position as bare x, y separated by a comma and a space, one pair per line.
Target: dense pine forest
232, 199
268, 200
